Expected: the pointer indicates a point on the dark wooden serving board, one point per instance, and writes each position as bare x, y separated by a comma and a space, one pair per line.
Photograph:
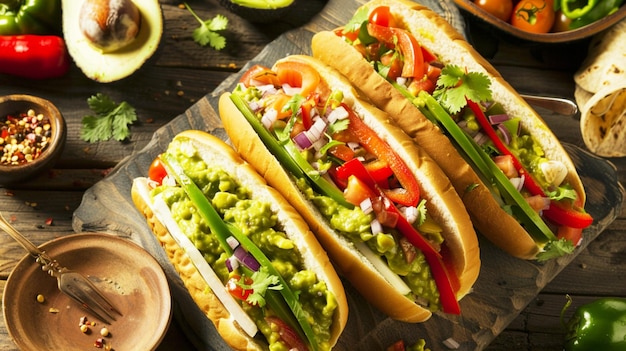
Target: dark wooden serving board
505, 285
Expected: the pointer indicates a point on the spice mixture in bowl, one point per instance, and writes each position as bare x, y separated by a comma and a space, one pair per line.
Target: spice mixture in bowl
32, 137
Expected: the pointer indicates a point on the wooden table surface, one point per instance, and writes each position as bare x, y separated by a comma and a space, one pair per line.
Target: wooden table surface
182, 72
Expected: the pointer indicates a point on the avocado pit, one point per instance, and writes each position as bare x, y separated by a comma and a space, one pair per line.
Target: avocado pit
109, 24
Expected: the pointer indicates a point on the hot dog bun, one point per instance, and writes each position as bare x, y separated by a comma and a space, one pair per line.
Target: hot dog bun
443, 40
442, 201
215, 152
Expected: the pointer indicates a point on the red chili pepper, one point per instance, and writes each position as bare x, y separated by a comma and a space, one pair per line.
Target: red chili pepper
558, 213
33, 56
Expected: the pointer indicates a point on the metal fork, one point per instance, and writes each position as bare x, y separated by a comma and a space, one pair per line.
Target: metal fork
73, 284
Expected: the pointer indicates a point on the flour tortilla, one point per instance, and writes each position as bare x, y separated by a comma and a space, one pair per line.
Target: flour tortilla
601, 93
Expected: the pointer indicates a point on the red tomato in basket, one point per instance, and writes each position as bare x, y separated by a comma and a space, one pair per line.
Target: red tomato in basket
534, 16
501, 9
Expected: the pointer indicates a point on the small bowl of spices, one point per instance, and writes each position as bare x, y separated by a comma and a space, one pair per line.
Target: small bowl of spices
32, 137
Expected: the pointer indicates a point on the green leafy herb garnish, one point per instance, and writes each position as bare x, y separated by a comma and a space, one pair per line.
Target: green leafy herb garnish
360, 17
111, 120
455, 86
555, 248
207, 33
262, 281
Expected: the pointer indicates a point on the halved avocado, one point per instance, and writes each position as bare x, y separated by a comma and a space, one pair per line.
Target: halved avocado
259, 11
100, 64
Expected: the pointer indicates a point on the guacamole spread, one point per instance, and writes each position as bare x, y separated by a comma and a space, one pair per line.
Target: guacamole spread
256, 220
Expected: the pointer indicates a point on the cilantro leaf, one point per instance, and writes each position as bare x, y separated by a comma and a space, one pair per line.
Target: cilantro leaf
455, 87
554, 249
360, 17
110, 120
262, 281
206, 33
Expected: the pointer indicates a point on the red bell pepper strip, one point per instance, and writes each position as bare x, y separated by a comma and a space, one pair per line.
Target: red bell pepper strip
556, 212
378, 147
408, 46
34, 56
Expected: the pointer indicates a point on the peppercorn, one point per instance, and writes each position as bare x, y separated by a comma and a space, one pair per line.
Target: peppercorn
23, 137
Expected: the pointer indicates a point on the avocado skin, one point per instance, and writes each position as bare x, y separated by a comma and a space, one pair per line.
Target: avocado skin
257, 15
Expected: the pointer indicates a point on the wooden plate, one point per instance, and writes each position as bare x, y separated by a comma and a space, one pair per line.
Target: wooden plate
128, 275
561, 37
505, 285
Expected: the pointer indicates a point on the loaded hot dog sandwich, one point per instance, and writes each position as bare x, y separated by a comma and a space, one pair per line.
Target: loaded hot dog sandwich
246, 257
383, 210
522, 190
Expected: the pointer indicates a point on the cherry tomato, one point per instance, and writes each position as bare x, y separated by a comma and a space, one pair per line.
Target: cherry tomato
382, 16
157, 171
501, 9
356, 191
534, 16
561, 22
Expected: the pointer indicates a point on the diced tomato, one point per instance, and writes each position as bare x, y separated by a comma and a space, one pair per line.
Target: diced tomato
394, 63
298, 128
397, 346
352, 36
356, 191
235, 289
289, 336
432, 72
413, 65
157, 171
423, 84
260, 74
382, 16
305, 110
342, 152
298, 74
505, 163
538, 202
428, 56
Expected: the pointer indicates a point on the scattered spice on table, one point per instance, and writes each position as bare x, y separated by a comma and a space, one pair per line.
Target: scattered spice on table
23, 137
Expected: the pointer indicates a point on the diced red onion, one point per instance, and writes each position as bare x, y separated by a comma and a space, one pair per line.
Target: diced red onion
232, 263
302, 140
497, 119
291, 91
337, 114
506, 133
480, 138
269, 118
246, 258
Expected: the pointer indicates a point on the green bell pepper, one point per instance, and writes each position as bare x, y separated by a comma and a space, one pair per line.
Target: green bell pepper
598, 325
30, 17
590, 12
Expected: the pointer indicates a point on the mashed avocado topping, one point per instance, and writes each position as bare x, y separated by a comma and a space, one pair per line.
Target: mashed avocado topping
256, 220
356, 226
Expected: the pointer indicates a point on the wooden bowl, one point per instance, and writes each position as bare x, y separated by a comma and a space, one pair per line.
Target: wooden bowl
257, 15
560, 37
16, 105
125, 273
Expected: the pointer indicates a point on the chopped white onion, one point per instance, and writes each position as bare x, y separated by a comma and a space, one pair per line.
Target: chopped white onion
270, 116
291, 91
377, 228
337, 114
366, 206
518, 182
232, 242
401, 80
410, 213
554, 172
265, 88
451, 344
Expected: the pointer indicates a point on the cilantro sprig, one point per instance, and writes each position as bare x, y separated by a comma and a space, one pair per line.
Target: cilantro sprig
261, 281
207, 32
110, 120
455, 87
